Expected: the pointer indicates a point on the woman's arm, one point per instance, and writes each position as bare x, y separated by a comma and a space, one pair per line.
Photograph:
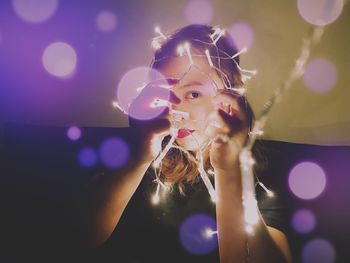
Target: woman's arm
103, 201
235, 245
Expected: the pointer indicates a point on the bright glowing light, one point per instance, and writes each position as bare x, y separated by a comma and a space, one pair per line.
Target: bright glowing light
34, 11
251, 214
318, 250
221, 33
156, 146
106, 21
155, 199
249, 229
159, 103
242, 51
188, 52
157, 161
307, 180
114, 152
199, 12
320, 12
87, 157
209, 58
59, 59
303, 221
157, 30
180, 50
268, 191
242, 34
209, 233
128, 91
194, 234
74, 133
320, 75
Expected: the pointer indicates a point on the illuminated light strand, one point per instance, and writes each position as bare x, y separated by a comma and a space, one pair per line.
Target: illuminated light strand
156, 43
243, 50
269, 192
245, 78
241, 91
157, 30
116, 105
209, 233
155, 197
159, 103
207, 183
209, 58
253, 72
256, 133
139, 89
245, 155
250, 208
188, 52
180, 50
248, 191
161, 156
176, 115
218, 33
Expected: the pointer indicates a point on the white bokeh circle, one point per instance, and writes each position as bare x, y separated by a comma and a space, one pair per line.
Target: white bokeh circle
59, 59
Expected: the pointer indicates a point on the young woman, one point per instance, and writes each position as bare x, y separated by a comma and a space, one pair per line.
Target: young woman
216, 113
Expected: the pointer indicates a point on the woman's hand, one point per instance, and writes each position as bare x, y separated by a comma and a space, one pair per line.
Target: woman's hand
147, 134
228, 126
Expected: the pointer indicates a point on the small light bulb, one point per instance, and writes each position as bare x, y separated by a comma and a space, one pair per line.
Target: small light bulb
155, 199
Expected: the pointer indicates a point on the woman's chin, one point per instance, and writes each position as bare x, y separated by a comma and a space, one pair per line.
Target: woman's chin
190, 143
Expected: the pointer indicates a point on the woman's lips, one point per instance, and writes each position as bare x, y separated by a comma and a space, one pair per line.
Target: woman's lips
182, 133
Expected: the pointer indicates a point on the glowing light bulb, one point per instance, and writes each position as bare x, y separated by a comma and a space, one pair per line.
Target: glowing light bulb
218, 33
209, 58
188, 52
249, 229
180, 50
155, 199
269, 192
159, 103
209, 233
251, 214
239, 53
157, 30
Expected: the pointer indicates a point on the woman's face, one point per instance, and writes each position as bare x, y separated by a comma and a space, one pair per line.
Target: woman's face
196, 90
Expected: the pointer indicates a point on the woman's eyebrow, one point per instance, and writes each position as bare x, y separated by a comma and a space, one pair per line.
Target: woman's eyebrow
192, 83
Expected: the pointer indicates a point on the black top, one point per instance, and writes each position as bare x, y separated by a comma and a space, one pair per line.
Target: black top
174, 230
39, 168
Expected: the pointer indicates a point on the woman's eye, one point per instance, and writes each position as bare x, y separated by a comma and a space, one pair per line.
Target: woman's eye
193, 95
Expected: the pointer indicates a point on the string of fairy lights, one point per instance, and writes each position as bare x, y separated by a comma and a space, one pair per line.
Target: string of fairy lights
251, 212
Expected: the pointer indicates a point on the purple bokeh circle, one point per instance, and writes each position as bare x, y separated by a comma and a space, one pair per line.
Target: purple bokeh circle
106, 21
307, 180
242, 34
129, 89
320, 75
199, 12
318, 250
303, 221
114, 152
193, 234
320, 12
35, 11
87, 157
74, 133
